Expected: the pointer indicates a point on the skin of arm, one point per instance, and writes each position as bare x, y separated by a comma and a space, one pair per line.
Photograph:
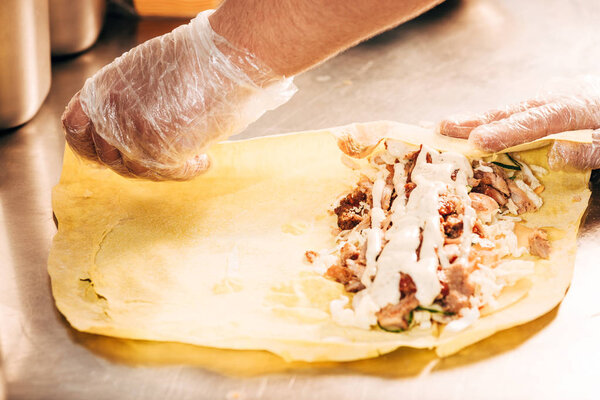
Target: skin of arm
291, 36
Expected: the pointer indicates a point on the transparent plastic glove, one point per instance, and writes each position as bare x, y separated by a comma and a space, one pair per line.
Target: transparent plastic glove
557, 111
153, 112
578, 155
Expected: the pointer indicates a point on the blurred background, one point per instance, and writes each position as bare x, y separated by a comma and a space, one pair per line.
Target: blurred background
32, 30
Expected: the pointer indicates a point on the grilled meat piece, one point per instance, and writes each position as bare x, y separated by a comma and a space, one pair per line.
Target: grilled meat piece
407, 285
451, 210
346, 277
352, 209
539, 244
386, 197
354, 285
495, 179
397, 316
519, 197
408, 188
311, 256
450, 204
473, 182
453, 226
490, 192
484, 205
460, 289
411, 160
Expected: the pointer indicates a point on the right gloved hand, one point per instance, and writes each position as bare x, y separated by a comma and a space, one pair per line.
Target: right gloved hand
153, 112
576, 108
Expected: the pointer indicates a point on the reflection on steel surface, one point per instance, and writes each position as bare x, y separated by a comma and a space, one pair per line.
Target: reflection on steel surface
75, 25
24, 60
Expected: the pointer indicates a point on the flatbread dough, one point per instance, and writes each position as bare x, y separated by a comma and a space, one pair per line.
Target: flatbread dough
219, 261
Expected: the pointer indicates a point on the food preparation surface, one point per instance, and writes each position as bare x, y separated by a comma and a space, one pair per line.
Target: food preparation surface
462, 56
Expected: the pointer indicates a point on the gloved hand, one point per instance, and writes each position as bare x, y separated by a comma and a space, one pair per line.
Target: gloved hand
555, 112
153, 112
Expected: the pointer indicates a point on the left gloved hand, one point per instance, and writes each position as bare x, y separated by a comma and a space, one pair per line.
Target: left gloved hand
153, 112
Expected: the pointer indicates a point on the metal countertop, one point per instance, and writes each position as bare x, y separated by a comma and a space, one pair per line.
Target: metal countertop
462, 56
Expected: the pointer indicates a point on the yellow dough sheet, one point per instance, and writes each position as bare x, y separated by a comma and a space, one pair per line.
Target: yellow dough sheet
219, 261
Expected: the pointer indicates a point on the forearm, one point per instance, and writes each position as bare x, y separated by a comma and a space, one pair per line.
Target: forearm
290, 36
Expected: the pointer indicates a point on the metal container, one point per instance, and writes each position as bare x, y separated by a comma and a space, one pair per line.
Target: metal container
75, 25
24, 60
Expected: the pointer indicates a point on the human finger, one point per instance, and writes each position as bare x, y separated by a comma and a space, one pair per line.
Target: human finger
460, 126
561, 115
78, 129
577, 155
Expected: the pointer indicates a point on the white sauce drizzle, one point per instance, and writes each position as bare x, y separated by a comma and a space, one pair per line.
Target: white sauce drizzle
378, 186
375, 234
374, 243
421, 213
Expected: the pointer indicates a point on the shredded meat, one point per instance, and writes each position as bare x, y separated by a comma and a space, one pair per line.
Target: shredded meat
454, 173
351, 265
365, 223
390, 178
354, 258
492, 184
407, 285
352, 209
539, 244
450, 210
459, 288
450, 204
484, 205
452, 252
387, 222
411, 159
448, 240
473, 182
491, 192
495, 179
408, 188
396, 316
418, 251
349, 252
478, 229
453, 226
311, 256
386, 197
346, 277
444, 291
519, 197
353, 286
340, 274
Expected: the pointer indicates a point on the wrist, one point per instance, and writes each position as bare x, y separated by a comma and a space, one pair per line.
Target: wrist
243, 46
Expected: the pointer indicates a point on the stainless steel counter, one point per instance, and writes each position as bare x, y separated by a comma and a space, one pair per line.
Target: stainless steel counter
464, 55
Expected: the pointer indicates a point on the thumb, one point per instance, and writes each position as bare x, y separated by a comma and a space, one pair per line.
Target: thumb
578, 155
78, 129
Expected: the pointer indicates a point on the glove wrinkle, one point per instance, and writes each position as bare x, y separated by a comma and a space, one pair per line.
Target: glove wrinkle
156, 109
571, 105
